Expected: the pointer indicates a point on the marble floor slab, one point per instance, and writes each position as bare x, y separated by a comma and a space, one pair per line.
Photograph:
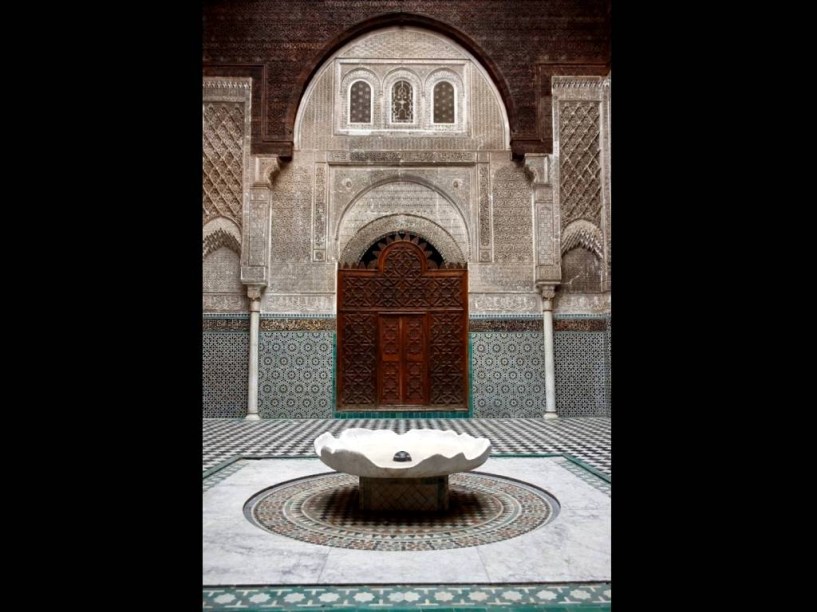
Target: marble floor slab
575, 546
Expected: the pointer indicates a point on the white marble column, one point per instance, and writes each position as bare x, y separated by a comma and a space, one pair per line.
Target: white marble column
548, 292
254, 293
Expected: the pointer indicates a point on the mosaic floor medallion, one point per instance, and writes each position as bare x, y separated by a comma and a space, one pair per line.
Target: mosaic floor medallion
323, 509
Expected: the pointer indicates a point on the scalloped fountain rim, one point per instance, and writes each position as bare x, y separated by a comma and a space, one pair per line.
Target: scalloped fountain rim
370, 453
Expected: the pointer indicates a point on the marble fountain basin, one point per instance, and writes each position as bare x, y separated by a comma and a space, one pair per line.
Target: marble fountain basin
417, 484
370, 453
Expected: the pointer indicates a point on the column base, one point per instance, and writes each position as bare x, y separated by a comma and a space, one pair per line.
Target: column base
551, 415
252, 417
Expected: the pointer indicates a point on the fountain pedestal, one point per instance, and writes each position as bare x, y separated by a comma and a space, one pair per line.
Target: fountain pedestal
415, 494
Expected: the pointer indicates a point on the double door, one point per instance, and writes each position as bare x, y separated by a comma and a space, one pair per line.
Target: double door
403, 372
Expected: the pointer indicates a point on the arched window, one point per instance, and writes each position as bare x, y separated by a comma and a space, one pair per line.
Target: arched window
402, 103
360, 102
444, 102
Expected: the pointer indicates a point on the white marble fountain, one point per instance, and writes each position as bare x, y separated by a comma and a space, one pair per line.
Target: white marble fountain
402, 471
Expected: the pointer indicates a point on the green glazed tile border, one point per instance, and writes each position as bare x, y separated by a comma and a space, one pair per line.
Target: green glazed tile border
562, 596
215, 476
403, 415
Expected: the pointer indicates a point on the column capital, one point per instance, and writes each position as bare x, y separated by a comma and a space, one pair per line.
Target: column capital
548, 292
254, 293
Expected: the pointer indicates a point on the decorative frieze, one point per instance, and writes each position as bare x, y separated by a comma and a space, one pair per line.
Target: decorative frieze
577, 303
357, 156
498, 303
505, 325
225, 325
294, 304
229, 302
299, 324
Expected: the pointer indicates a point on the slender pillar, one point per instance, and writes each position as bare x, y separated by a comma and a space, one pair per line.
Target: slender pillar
548, 292
254, 293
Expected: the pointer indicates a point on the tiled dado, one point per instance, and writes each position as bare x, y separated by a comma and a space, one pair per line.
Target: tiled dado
225, 367
508, 366
545, 597
508, 374
296, 369
582, 363
297, 365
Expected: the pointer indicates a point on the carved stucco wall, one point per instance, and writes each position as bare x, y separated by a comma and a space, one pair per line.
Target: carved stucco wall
513, 224
422, 58
582, 190
225, 163
408, 199
454, 184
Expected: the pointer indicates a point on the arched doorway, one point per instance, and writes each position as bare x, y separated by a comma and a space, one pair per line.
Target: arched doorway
402, 342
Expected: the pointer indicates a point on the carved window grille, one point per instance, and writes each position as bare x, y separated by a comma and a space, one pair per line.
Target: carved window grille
444, 102
360, 102
402, 102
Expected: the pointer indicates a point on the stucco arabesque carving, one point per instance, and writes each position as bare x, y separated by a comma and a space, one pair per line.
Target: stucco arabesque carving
370, 233
398, 175
571, 82
503, 303
210, 83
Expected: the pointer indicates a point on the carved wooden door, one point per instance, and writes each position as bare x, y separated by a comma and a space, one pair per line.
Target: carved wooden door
403, 371
402, 331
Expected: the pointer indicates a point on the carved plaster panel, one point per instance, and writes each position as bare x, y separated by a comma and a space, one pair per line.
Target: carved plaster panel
302, 278
517, 303
225, 147
224, 302
323, 121
512, 215
220, 232
410, 199
575, 303
581, 141
298, 304
292, 214
500, 277
371, 233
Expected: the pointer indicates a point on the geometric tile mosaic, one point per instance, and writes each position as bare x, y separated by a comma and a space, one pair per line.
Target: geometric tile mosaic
224, 373
582, 365
543, 597
295, 374
296, 370
587, 439
508, 375
323, 510
608, 362
213, 479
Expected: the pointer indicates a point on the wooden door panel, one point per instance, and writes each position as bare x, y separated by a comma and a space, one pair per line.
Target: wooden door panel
390, 358
414, 359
